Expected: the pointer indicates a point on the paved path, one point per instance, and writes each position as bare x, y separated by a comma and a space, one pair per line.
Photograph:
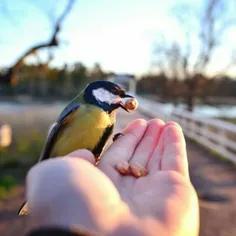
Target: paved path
213, 179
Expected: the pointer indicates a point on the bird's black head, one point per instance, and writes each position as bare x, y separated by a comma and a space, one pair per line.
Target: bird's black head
106, 95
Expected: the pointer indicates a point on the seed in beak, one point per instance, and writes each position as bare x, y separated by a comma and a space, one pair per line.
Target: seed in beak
131, 104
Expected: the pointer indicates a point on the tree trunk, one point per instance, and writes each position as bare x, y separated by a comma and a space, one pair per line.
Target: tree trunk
190, 101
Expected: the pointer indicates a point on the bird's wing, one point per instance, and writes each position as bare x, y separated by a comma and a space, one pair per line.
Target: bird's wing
52, 137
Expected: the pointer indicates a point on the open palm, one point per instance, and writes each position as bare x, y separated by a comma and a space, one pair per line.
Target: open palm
166, 192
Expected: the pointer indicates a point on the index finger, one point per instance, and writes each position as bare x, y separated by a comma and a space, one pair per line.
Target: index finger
123, 148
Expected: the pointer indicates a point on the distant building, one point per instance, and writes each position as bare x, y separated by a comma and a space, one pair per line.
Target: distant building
126, 81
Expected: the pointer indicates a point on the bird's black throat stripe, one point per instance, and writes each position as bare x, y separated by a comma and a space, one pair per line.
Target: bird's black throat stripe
98, 149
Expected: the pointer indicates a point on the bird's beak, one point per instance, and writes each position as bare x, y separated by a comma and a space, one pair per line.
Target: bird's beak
123, 107
128, 96
123, 101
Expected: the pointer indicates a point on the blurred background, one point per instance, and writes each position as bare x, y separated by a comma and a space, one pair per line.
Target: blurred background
177, 55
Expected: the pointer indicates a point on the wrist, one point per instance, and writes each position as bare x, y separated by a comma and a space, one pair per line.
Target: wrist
58, 214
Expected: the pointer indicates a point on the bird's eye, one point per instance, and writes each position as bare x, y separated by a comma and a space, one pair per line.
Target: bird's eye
122, 93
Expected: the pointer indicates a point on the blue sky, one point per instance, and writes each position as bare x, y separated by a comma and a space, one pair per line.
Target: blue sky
118, 34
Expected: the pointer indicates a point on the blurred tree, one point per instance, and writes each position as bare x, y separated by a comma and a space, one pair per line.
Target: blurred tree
79, 75
65, 81
183, 59
153, 84
10, 76
97, 73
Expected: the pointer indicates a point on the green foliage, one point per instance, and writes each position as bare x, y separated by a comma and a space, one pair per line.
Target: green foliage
231, 120
7, 182
79, 75
24, 151
7, 186
16, 159
152, 84
97, 73
53, 74
44, 81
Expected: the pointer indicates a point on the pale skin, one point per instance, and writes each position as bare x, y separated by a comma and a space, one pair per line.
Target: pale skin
71, 191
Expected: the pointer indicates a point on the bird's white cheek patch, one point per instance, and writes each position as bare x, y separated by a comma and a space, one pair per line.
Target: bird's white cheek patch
105, 96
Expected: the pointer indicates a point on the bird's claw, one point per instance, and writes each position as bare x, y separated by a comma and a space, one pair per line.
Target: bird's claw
116, 136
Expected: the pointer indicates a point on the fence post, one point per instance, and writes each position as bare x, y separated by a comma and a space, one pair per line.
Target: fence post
222, 141
5, 135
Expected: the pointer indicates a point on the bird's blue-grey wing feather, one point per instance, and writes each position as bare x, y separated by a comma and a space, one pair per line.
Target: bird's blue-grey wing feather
61, 120
53, 134
67, 111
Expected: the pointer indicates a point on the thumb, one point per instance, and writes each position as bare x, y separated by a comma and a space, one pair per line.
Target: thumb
83, 154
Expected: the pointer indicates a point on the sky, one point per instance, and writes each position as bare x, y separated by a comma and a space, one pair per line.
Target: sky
118, 34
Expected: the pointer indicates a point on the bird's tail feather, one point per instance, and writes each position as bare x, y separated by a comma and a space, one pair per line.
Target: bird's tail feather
24, 210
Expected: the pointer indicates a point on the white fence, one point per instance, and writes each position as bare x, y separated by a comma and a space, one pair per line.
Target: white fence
217, 135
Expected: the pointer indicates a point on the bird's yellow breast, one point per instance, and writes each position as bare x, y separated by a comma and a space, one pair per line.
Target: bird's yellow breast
83, 130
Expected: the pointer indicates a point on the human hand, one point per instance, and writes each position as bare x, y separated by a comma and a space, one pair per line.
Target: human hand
163, 202
166, 193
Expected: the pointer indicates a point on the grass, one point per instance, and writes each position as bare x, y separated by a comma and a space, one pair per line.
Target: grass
29, 130
231, 120
7, 186
24, 150
16, 160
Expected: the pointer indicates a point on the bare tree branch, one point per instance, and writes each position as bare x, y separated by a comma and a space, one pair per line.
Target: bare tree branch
208, 36
208, 26
9, 77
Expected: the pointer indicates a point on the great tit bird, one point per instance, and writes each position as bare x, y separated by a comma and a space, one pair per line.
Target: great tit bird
86, 122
